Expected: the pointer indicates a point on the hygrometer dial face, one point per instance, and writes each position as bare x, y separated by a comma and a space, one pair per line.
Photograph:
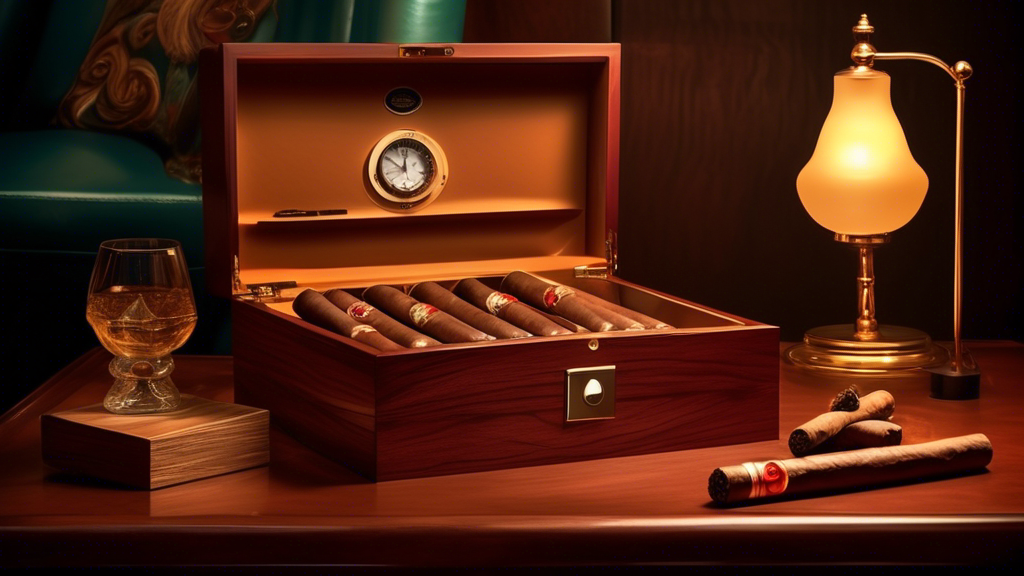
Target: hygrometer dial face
407, 170
406, 166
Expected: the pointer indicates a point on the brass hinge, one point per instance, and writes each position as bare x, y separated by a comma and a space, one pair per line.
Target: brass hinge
424, 51
611, 263
257, 292
611, 252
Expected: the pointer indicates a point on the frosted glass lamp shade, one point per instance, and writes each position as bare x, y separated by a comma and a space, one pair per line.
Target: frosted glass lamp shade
862, 179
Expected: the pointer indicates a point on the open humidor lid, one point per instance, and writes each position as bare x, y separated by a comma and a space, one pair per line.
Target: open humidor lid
524, 155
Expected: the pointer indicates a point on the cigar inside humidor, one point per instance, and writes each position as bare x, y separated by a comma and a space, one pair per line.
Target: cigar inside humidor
515, 306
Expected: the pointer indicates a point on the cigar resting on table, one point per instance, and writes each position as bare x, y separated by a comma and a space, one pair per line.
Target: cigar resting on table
386, 325
314, 308
878, 405
866, 434
506, 307
424, 317
563, 301
855, 469
433, 294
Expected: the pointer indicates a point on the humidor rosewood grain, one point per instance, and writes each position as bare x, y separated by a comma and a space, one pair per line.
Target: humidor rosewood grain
530, 137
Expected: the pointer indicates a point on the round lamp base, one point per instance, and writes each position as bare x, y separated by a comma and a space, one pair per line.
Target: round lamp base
835, 349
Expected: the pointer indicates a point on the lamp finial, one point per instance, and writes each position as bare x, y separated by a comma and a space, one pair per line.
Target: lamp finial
863, 53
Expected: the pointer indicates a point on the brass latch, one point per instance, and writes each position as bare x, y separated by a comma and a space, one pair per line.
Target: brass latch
590, 393
424, 51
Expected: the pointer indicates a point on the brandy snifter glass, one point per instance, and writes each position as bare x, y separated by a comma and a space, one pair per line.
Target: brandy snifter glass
141, 308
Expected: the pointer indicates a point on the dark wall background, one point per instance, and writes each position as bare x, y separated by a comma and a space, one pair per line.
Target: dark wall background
722, 102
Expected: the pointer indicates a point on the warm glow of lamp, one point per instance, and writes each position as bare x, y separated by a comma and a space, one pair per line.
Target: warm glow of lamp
862, 179
862, 183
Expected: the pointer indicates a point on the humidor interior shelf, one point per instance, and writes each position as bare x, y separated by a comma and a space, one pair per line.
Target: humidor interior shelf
375, 217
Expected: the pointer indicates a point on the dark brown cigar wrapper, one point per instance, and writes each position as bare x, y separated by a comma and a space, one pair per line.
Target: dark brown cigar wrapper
866, 434
314, 308
855, 469
559, 299
506, 307
875, 406
387, 326
644, 320
424, 317
432, 293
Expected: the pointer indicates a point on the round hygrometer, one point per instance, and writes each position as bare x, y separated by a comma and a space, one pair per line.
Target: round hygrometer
407, 170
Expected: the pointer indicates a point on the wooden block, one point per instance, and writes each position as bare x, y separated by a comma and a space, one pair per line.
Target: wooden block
203, 438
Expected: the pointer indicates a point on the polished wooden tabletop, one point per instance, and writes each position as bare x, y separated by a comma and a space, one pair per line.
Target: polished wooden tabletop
304, 509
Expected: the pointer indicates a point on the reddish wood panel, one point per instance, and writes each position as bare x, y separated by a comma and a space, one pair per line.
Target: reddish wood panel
499, 407
220, 210
538, 21
316, 387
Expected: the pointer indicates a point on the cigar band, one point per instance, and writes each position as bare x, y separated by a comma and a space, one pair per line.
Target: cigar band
496, 301
767, 478
421, 313
362, 328
555, 293
359, 310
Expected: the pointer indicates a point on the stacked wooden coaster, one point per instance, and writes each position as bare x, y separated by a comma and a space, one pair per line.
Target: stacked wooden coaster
202, 438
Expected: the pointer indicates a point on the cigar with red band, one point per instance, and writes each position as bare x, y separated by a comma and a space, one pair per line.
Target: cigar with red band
508, 308
314, 308
387, 326
425, 317
878, 405
558, 299
856, 469
645, 320
433, 294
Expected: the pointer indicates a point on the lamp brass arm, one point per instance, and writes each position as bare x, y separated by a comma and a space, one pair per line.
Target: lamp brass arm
864, 54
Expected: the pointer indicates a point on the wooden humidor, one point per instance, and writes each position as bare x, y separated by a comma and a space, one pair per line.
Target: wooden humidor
531, 136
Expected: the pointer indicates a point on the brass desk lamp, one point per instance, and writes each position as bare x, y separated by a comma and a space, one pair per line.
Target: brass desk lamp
862, 183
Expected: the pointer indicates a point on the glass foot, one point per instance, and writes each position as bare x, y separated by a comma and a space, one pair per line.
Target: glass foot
142, 387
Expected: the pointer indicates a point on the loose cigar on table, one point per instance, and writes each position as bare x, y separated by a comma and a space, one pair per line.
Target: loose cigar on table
855, 469
314, 308
644, 320
866, 434
563, 301
387, 325
433, 294
506, 307
424, 317
875, 406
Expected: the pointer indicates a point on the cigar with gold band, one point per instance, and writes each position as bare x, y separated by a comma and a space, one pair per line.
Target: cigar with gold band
645, 320
855, 469
314, 308
433, 294
878, 405
423, 316
506, 307
387, 326
559, 299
